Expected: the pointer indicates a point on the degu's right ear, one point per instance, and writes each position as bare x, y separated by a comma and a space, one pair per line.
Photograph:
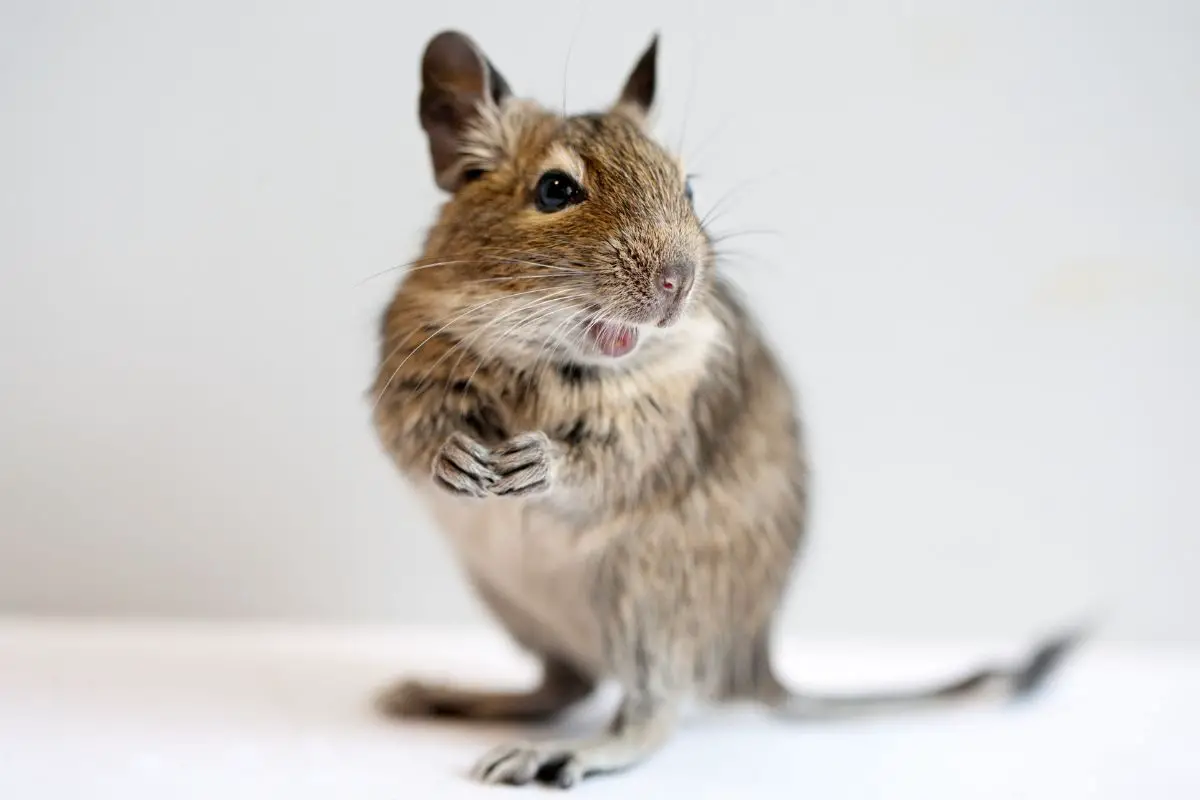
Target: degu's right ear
458, 85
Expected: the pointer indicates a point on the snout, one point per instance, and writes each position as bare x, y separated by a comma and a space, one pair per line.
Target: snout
674, 285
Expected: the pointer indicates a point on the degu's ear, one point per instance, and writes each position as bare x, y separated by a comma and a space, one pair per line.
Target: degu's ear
458, 85
637, 98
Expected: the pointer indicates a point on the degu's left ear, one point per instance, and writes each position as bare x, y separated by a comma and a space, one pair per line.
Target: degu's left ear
637, 97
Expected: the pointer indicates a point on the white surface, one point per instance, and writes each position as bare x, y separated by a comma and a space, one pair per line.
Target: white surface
986, 284
138, 711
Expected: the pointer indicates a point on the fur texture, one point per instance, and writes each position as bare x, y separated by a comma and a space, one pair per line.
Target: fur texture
631, 518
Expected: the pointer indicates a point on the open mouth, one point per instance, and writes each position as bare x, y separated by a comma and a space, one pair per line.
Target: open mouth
612, 339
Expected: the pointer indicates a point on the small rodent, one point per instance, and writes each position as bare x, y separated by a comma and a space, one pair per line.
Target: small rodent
599, 428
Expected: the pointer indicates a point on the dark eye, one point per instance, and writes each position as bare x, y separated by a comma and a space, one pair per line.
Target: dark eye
555, 191
687, 192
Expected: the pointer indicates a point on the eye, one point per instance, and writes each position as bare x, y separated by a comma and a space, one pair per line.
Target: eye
687, 192
555, 191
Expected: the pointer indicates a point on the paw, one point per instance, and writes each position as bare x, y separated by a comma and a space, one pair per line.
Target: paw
522, 465
518, 467
520, 763
462, 466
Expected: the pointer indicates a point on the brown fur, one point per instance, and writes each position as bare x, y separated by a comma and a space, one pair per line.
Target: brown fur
669, 483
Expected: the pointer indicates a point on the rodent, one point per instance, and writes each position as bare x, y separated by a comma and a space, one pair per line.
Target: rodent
599, 428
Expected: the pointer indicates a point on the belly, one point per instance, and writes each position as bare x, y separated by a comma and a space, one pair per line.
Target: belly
534, 564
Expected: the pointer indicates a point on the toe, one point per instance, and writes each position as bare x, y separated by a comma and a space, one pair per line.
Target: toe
523, 767
563, 771
494, 766
512, 764
571, 773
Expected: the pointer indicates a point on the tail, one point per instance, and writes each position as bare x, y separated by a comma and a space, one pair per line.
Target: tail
1008, 683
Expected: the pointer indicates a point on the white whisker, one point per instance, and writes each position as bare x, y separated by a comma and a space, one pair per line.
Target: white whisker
521, 323
462, 344
472, 310
474, 258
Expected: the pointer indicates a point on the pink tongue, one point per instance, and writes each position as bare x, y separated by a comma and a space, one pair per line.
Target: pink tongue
613, 340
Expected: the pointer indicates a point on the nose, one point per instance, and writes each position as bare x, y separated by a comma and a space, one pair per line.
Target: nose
674, 283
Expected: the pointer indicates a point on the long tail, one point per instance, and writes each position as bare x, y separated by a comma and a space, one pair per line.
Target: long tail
1011, 682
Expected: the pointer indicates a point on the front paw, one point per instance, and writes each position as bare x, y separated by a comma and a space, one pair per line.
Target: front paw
521, 466
463, 466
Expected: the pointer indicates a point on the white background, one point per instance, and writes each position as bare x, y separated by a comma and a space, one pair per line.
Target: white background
984, 277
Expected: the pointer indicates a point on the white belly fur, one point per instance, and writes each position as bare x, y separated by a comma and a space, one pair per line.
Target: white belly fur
531, 560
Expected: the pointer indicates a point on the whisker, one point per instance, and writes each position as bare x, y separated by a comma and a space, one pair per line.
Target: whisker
558, 258
481, 260
694, 158
572, 340
570, 48
711, 215
401, 343
726, 258
520, 278
464, 346
735, 234
530, 321
514, 328
552, 339
539, 256
687, 99
383, 272
509, 252
463, 343
553, 335
471, 310
475, 258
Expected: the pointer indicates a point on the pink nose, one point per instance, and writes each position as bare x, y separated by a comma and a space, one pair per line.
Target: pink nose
676, 278
674, 283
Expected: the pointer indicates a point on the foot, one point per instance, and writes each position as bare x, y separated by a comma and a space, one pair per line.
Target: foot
559, 764
638, 731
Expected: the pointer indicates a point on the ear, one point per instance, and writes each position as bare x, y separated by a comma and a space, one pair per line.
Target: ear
458, 84
638, 94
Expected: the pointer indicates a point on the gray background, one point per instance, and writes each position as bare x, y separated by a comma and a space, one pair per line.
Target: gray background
984, 279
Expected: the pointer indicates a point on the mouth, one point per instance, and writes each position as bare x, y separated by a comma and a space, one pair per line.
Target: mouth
612, 339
